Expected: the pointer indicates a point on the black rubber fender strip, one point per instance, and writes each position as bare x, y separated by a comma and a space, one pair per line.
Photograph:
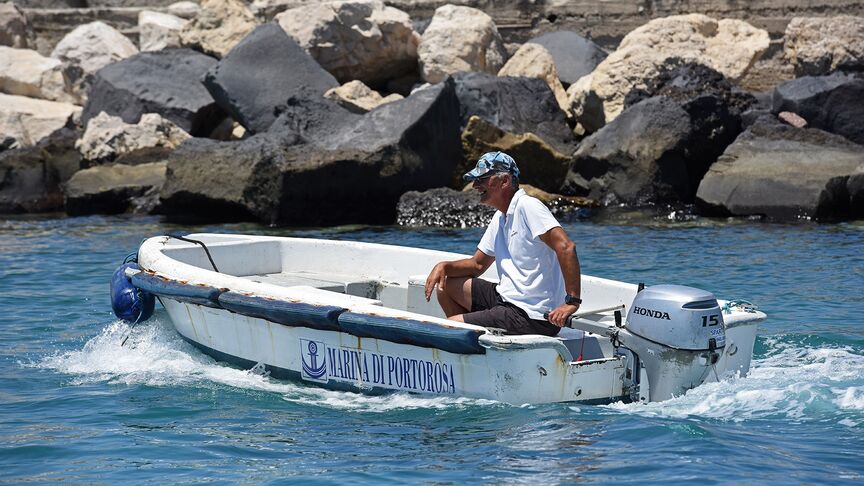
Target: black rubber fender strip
177, 290
410, 331
289, 313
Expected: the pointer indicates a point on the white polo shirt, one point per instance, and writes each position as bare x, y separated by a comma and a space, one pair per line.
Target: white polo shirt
529, 270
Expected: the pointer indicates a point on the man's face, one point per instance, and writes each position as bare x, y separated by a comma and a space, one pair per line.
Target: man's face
491, 187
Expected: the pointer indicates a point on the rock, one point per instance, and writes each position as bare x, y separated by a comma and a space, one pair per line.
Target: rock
783, 173
164, 82
110, 189
15, 30
261, 72
792, 119
534, 61
855, 188
831, 103
31, 177
515, 105
89, 48
8, 143
220, 26
29, 120
447, 208
157, 31
184, 10
442, 208
331, 167
460, 39
574, 55
821, 45
656, 152
361, 40
27, 73
356, 97
728, 46
539, 163
108, 139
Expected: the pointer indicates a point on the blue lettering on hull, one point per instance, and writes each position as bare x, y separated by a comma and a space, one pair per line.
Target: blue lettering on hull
322, 363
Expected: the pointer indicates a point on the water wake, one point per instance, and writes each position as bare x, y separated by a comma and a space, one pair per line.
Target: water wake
791, 381
155, 355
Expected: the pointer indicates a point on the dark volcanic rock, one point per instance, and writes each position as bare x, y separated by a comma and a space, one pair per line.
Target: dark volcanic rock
311, 171
514, 104
855, 187
31, 178
166, 82
784, 173
654, 152
833, 103
574, 55
263, 71
111, 189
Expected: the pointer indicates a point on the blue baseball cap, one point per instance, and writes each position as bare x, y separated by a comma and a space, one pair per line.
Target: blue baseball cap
492, 162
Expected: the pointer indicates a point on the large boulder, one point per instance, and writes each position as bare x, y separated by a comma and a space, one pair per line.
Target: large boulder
29, 120
157, 30
460, 39
110, 189
655, 152
185, 9
574, 55
515, 105
539, 163
329, 167
821, 45
219, 26
31, 177
165, 82
25, 72
108, 139
15, 30
361, 40
534, 61
855, 187
89, 48
782, 173
832, 103
263, 71
728, 46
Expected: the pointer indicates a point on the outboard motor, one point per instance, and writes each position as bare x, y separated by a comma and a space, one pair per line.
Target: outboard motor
678, 334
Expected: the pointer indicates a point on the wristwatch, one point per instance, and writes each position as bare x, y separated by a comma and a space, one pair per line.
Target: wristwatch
570, 300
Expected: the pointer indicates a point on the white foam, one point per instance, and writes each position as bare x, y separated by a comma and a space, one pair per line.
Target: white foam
155, 355
795, 382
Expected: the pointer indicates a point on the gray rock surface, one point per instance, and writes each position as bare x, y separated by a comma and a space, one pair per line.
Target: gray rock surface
331, 167
218, 27
783, 173
821, 45
574, 55
29, 120
107, 139
15, 29
832, 103
515, 105
110, 189
31, 177
262, 71
165, 82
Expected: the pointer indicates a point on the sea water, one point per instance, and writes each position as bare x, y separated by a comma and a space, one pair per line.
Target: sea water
76, 407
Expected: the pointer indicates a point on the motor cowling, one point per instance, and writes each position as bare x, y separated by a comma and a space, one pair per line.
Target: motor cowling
676, 332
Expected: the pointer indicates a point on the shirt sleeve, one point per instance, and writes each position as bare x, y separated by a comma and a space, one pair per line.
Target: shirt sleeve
487, 242
538, 218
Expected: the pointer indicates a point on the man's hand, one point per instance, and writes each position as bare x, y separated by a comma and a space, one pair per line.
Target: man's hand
559, 315
436, 278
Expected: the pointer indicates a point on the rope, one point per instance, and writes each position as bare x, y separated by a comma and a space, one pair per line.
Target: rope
206, 250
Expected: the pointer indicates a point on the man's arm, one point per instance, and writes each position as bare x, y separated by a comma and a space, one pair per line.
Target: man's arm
557, 239
467, 267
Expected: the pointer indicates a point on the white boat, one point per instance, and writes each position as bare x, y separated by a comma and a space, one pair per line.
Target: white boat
353, 316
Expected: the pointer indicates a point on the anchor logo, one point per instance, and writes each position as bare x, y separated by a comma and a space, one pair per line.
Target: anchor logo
311, 353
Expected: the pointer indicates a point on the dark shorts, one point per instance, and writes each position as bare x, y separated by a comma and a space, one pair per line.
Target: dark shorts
488, 310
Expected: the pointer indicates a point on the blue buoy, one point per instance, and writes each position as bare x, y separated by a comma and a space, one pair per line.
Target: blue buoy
130, 304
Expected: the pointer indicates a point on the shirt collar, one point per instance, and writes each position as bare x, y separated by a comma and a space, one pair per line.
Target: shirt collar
512, 207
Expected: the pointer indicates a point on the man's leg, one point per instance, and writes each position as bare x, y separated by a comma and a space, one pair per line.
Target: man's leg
455, 298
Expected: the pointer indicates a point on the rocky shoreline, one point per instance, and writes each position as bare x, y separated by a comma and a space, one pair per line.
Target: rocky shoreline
317, 113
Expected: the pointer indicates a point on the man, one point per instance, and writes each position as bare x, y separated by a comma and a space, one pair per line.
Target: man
536, 261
